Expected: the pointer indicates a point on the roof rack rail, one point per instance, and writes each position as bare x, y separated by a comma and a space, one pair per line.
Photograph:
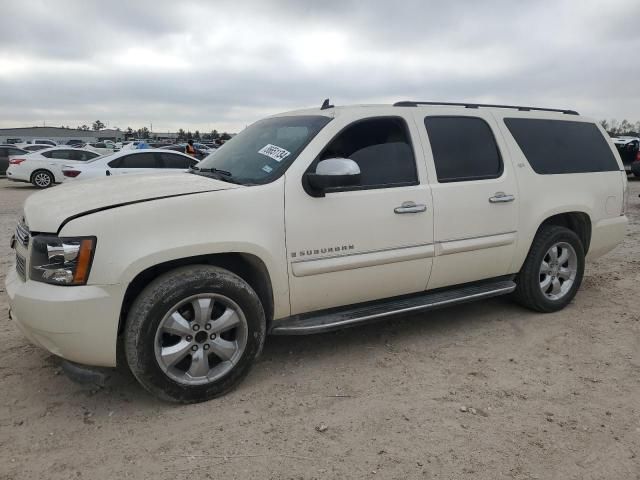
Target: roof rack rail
477, 105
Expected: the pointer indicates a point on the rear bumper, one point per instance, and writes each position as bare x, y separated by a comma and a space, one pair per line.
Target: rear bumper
606, 235
18, 174
76, 323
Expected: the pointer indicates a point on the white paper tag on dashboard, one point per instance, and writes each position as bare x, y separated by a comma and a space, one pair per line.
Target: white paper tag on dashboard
275, 152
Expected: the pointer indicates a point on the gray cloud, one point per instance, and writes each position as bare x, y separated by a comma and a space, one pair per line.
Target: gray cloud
203, 65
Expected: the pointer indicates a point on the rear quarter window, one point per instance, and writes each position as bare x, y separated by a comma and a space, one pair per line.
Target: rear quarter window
562, 146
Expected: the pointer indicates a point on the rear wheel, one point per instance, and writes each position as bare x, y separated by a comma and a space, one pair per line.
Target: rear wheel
42, 178
552, 273
194, 333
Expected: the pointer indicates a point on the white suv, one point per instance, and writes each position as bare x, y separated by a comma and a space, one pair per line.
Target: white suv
310, 221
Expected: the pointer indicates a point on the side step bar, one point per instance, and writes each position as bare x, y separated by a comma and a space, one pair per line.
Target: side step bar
335, 319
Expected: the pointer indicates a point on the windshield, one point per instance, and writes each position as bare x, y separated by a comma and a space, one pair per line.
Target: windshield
264, 150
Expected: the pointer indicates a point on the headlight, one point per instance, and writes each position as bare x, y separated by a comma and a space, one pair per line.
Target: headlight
61, 261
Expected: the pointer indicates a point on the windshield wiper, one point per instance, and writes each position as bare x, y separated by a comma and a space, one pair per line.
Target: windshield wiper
221, 175
212, 170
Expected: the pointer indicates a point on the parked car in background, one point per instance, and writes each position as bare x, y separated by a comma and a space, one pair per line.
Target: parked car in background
129, 162
181, 147
14, 141
132, 145
5, 152
75, 142
102, 148
42, 141
35, 148
629, 150
44, 168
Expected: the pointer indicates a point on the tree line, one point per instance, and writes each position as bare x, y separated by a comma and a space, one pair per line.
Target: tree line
144, 132
623, 128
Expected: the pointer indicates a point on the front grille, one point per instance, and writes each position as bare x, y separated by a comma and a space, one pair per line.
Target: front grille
22, 234
21, 267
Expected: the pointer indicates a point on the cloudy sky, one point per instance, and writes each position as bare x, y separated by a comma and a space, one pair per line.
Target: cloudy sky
204, 65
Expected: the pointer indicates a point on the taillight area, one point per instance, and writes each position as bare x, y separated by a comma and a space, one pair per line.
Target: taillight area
638, 156
16, 161
71, 173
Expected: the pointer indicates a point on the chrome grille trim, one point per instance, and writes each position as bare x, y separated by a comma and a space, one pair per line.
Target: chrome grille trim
21, 267
22, 234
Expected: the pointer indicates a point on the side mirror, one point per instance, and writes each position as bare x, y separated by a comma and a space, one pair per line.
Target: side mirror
333, 173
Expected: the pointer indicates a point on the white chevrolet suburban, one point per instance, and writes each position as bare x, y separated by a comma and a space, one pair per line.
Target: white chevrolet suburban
310, 221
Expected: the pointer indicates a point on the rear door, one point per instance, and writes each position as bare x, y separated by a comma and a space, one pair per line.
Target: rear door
58, 158
475, 197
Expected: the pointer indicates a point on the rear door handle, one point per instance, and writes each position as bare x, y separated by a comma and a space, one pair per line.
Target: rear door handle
410, 207
501, 197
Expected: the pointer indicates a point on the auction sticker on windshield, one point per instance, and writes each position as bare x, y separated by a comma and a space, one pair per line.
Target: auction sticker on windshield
275, 152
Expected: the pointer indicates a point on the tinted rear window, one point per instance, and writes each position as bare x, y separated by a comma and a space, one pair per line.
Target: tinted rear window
560, 146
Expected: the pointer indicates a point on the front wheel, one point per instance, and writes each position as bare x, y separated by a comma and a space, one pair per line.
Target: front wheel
552, 273
194, 333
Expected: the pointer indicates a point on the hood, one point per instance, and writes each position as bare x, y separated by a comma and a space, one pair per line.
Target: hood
46, 211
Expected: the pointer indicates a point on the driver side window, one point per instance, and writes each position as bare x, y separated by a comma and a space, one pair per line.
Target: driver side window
382, 149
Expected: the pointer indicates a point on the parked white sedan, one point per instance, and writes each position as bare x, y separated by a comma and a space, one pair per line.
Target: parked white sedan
128, 162
44, 167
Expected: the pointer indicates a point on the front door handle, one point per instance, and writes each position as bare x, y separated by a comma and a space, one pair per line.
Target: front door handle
410, 207
501, 197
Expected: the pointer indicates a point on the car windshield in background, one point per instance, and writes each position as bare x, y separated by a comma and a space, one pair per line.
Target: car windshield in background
264, 150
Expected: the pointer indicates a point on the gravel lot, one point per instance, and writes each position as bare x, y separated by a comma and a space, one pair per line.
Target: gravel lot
547, 396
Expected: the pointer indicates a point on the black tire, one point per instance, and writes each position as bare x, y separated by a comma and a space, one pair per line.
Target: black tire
158, 298
528, 292
42, 174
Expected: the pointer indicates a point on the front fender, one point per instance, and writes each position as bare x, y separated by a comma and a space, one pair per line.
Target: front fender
132, 238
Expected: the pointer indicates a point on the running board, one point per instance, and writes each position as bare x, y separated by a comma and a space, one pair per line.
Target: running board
335, 319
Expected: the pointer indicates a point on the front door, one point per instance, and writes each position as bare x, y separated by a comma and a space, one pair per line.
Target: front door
360, 243
475, 196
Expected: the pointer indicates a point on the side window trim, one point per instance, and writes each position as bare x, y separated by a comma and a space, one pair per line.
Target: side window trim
407, 130
470, 178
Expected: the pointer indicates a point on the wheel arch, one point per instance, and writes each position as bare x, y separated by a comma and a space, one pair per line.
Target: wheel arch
247, 266
577, 222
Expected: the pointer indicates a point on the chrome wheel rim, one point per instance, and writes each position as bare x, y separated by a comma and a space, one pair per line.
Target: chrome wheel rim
201, 339
42, 180
558, 271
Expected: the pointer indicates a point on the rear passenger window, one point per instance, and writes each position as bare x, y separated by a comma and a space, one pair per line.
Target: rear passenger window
171, 160
381, 148
464, 149
82, 156
561, 146
61, 154
139, 160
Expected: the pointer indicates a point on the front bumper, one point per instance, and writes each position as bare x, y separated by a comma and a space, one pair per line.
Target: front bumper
76, 323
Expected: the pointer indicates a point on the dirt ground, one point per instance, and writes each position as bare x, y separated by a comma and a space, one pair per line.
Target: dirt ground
547, 396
